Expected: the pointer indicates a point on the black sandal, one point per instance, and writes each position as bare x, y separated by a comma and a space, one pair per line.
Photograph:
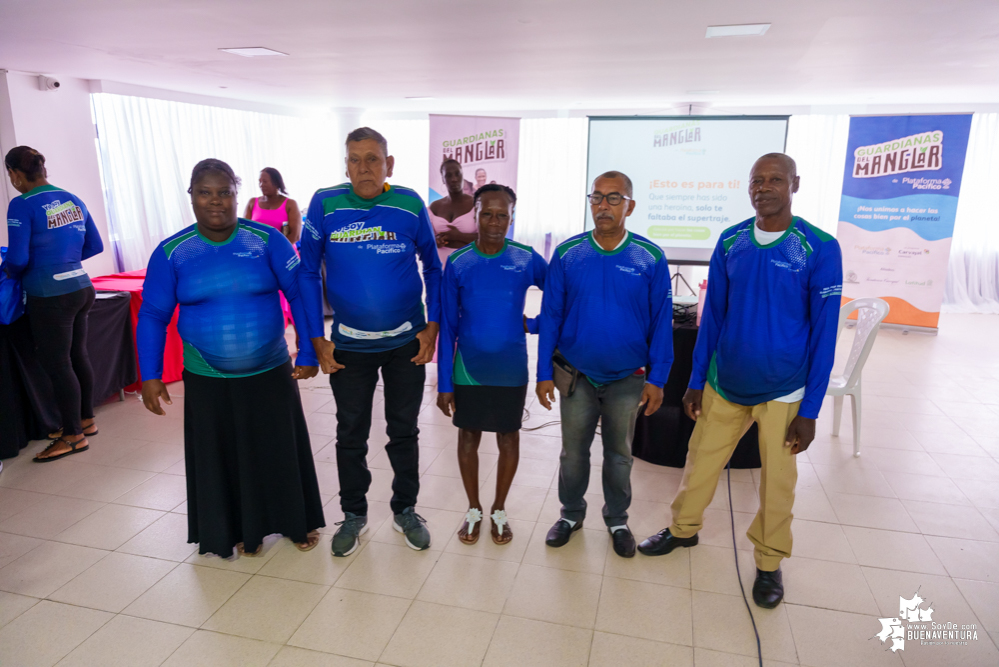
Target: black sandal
74, 448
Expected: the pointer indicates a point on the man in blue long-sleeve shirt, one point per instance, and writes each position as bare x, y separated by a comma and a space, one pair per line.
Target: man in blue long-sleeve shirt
608, 311
370, 234
765, 350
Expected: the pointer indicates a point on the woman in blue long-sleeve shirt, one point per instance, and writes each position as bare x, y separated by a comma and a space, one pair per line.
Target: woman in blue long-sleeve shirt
248, 459
50, 233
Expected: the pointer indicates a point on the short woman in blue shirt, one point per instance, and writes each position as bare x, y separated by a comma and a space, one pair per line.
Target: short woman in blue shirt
250, 471
50, 233
482, 358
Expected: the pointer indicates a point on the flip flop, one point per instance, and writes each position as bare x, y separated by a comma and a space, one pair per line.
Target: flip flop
472, 517
311, 540
74, 448
500, 521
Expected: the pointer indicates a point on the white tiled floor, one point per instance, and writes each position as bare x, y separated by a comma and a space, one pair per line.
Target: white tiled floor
95, 570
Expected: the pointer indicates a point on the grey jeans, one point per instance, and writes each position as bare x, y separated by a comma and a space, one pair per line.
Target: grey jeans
616, 406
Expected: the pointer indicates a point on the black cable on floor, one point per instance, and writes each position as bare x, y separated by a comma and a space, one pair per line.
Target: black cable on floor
738, 574
527, 416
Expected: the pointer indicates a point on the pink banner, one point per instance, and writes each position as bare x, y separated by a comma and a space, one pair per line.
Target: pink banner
486, 147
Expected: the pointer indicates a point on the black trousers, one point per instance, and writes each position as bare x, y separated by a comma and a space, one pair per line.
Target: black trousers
354, 390
59, 325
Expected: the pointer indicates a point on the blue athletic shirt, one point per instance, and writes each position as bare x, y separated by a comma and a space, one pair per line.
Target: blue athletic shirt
50, 233
230, 312
482, 306
372, 281
609, 313
769, 322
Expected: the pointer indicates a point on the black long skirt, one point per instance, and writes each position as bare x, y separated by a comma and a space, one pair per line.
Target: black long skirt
250, 471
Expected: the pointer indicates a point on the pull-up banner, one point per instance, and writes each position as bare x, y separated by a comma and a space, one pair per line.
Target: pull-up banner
486, 147
896, 218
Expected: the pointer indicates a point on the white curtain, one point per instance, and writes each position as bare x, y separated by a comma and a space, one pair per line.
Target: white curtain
818, 145
149, 147
551, 181
973, 272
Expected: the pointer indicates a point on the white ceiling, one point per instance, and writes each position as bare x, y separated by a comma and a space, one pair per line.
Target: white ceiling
520, 54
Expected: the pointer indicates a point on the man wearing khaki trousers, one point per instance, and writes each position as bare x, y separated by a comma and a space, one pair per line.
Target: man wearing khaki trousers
765, 349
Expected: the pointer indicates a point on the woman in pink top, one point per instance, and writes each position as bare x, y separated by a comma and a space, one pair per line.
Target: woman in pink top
452, 216
273, 207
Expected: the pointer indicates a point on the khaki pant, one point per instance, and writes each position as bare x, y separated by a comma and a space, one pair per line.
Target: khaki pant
715, 436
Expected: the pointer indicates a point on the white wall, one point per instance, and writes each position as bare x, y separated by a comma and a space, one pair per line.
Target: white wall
59, 125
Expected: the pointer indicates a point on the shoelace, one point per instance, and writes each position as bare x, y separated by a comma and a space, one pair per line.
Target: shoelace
411, 521
350, 524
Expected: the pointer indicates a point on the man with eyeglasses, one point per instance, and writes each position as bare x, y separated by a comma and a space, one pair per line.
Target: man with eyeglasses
607, 337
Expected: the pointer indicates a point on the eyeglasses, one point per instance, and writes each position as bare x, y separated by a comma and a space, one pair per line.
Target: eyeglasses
613, 198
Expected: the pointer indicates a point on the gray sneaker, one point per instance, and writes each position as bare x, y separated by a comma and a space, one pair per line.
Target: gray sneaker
345, 540
414, 527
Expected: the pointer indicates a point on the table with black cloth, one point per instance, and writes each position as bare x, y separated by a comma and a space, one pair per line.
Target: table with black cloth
662, 438
28, 402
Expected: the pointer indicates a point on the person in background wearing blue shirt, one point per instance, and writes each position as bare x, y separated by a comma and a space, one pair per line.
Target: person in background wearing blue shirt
484, 382
765, 349
249, 465
606, 318
50, 233
370, 233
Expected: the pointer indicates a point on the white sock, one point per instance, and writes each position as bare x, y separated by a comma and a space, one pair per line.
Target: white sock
614, 529
572, 524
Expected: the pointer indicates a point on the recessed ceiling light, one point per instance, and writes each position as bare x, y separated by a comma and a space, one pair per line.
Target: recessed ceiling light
420, 98
253, 52
744, 30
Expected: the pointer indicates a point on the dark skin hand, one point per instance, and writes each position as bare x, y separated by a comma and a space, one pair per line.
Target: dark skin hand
453, 238
328, 363
800, 432
652, 396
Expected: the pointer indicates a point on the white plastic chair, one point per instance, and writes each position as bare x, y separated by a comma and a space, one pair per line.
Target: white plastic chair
871, 311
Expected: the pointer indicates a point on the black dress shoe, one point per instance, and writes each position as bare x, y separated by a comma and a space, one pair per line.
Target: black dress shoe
560, 533
624, 543
768, 589
663, 542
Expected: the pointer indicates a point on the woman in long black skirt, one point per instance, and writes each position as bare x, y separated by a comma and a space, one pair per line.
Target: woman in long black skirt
250, 471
